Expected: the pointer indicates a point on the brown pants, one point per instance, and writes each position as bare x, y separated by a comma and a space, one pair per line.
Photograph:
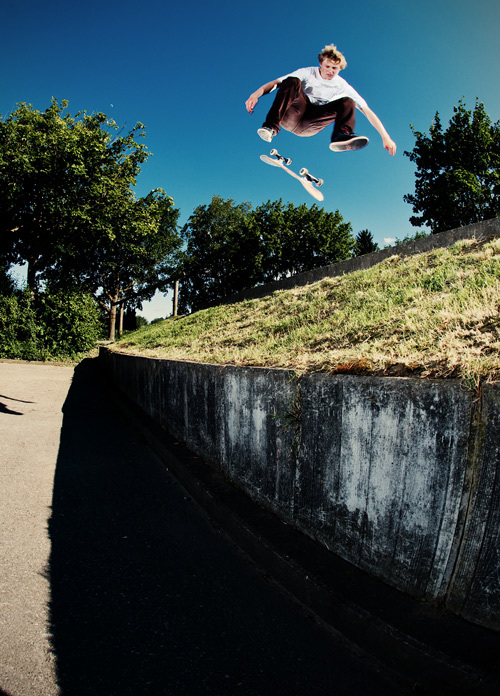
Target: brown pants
293, 111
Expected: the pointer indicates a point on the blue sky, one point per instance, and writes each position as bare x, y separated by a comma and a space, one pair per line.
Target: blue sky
186, 69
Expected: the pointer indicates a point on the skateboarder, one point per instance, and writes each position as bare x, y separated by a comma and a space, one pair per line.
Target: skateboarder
310, 99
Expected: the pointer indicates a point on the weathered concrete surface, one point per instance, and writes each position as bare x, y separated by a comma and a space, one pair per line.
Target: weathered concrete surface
475, 590
381, 463
479, 230
396, 476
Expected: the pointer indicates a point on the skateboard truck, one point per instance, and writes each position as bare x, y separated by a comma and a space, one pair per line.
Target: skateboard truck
308, 181
311, 177
284, 160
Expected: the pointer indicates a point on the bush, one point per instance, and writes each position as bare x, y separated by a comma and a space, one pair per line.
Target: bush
18, 332
68, 323
49, 326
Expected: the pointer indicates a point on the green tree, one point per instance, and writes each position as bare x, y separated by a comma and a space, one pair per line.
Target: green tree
221, 253
231, 247
296, 239
67, 208
365, 243
457, 170
58, 177
138, 254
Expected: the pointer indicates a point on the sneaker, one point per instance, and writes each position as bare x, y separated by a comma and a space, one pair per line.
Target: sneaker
266, 134
348, 141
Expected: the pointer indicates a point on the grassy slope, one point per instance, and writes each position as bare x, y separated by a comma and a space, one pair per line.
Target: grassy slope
434, 315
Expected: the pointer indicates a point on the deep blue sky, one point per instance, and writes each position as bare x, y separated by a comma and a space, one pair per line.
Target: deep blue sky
186, 69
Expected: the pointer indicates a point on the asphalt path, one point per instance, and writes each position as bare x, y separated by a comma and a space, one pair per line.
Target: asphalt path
114, 582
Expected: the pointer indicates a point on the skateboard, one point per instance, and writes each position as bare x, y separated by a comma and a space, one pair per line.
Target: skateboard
308, 181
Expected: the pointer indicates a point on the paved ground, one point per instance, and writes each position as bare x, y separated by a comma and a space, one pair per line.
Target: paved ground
113, 581
31, 398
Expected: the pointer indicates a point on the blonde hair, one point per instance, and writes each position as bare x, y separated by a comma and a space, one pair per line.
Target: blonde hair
332, 53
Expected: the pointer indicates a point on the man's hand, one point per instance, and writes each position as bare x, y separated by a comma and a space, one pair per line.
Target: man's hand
251, 102
387, 141
389, 145
255, 96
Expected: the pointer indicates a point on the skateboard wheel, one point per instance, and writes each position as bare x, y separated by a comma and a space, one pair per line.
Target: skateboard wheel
288, 160
274, 152
303, 172
320, 182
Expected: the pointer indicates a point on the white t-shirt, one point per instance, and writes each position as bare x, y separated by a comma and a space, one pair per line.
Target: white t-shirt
321, 91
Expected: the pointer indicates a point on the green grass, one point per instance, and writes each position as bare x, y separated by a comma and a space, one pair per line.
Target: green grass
433, 315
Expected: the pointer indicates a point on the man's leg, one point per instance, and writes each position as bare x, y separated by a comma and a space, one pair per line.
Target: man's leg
346, 115
343, 137
288, 107
318, 116
293, 111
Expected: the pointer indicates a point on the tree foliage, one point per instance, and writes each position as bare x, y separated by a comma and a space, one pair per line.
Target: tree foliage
58, 176
458, 170
7, 285
297, 238
48, 325
68, 211
365, 243
221, 254
139, 254
230, 247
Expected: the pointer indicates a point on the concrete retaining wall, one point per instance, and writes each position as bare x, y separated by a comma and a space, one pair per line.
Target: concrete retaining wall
400, 477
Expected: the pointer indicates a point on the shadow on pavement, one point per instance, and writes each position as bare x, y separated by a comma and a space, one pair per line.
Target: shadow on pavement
5, 409
147, 598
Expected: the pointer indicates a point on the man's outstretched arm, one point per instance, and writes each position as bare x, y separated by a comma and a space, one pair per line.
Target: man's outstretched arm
255, 96
389, 144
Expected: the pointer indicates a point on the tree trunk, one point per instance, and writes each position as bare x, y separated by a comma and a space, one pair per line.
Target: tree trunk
176, 296
31, 276
120, 323
112, 317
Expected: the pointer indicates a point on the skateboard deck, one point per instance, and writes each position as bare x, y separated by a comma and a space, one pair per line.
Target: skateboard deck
308, 181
